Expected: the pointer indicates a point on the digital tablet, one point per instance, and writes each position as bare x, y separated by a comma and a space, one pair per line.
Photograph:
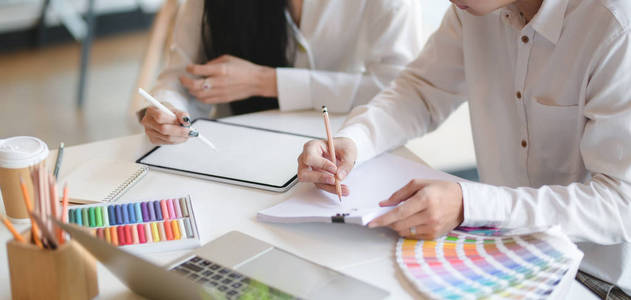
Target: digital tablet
247, 156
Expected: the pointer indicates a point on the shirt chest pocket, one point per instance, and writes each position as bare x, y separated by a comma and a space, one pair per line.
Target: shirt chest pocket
554, 137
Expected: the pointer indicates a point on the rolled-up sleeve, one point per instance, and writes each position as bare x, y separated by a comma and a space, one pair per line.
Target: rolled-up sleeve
418, 100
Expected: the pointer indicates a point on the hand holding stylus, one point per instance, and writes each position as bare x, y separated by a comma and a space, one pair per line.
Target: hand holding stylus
166, 119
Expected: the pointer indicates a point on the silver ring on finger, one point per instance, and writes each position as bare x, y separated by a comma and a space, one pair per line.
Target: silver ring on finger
207, 85
413, 230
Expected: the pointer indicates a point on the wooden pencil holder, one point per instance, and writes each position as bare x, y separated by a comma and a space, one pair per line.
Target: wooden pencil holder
69, 272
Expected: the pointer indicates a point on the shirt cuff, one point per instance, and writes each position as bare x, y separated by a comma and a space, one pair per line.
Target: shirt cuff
172, 97
365, 148
294, 89
482, 205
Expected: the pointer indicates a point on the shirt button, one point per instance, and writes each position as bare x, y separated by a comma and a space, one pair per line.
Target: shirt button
518, 95
524, 144
525, 39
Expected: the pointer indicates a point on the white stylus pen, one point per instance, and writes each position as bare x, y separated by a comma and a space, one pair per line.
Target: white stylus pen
163, 108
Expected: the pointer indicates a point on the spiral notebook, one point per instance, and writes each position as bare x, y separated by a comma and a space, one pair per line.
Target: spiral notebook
102, 180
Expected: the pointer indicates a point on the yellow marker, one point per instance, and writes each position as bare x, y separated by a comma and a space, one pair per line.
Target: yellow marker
154, 232
108, 237
176, 230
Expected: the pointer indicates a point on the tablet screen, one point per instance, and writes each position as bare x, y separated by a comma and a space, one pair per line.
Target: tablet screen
245, 154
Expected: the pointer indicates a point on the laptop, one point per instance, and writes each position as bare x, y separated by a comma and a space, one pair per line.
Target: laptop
234, 266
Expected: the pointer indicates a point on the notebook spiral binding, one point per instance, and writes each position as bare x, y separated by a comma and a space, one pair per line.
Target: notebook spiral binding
126, 185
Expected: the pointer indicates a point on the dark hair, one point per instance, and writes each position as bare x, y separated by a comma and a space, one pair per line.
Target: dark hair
254, 30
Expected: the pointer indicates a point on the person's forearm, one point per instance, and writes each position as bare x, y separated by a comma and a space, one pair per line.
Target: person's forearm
266, 82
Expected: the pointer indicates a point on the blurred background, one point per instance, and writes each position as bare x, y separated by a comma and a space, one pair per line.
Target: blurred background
64, 80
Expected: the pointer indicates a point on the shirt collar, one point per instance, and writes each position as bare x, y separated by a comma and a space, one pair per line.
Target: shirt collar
550, 18
548, 21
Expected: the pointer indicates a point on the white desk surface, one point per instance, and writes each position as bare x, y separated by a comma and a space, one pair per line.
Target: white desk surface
367, 254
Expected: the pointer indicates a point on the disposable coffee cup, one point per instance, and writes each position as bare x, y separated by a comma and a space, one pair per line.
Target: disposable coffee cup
17, 154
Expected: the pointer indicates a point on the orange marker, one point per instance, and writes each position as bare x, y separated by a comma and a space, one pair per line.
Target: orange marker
15, 233
29, 210
114, 236
168, 232
108, 235
176, 229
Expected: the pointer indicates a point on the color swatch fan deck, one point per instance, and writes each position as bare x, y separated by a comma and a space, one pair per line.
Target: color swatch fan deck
475, 264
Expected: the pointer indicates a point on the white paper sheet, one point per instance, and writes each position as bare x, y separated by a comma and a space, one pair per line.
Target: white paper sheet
369, 184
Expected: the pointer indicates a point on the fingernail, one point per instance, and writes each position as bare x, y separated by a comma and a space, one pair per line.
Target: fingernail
331, 180
186, 119
332, 169
341, 174
193, 133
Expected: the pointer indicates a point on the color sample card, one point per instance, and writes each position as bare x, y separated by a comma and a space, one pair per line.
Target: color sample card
465, 265
144, 226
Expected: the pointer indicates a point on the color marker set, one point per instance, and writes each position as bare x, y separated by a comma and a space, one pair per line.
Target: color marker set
161, 225
462, 265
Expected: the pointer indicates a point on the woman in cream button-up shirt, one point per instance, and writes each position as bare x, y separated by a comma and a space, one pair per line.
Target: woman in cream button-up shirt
340, 53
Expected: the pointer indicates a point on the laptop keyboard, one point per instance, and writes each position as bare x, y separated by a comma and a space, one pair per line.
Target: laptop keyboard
229, 283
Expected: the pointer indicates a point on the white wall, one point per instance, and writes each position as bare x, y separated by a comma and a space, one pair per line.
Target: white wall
20, 14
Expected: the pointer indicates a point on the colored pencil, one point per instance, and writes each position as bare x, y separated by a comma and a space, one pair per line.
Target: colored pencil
329, 135
60, 156
9, 226
64, 212
50, 238
29, 210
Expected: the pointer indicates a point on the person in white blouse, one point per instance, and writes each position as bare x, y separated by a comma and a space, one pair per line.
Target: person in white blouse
287, 54
548, 85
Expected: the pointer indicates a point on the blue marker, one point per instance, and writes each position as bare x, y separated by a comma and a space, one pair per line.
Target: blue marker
138, 212
111, 214
125, 211
119, 215
152, 213
78, 217
158, 210
132, 213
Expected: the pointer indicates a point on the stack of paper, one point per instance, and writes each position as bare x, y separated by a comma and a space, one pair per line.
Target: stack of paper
369, 184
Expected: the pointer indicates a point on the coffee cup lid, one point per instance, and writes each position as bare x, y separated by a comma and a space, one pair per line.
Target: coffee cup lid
22, 151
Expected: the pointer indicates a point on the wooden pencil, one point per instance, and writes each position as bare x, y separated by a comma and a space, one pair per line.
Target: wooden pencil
9, 226
64, 213
50, 238
29, 210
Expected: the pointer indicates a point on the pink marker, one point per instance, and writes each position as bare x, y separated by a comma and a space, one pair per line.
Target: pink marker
148, 233
171, 211
178, 209
134, 234
165, 210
